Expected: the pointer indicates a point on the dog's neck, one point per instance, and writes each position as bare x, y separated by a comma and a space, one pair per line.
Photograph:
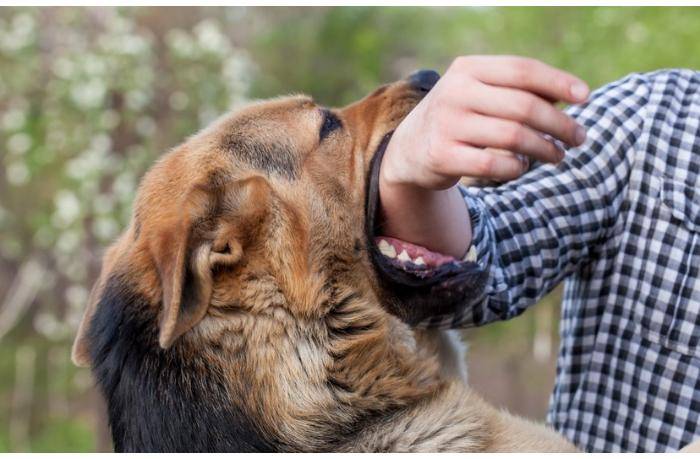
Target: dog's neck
324, 380
304, 383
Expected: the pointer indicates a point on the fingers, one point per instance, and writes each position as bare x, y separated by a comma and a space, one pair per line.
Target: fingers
526, 108
483, 131
488, 163
527, 74
483, 119
524, 160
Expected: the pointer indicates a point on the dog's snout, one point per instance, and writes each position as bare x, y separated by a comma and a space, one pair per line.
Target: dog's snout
424, 79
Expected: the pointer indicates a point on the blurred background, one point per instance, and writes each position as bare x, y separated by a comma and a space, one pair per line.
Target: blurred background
89, 97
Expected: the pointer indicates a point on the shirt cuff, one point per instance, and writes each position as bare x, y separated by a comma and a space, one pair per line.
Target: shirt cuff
483, 247
478, 250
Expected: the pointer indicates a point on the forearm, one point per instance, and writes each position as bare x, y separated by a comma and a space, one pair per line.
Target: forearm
443, 225
470, 124
484, 119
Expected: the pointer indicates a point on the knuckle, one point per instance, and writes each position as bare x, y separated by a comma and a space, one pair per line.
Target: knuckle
442, 135
472, 90
522, 67
528, 107
485, 166
514, 137
526, 63
519, 65
461, 63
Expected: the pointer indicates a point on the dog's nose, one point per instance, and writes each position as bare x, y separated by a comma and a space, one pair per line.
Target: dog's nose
424, 79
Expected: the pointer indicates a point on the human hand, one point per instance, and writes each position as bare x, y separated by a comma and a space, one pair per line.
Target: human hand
484, 118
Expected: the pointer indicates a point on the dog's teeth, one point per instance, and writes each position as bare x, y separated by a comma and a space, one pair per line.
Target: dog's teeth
403, 256
419, 261
387, 249
471, 254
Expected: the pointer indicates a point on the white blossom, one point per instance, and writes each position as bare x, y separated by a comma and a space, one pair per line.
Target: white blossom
19, 143
67, 208
17, 173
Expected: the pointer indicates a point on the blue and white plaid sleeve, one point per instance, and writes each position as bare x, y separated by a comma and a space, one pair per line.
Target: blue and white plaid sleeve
531, 233
619, 220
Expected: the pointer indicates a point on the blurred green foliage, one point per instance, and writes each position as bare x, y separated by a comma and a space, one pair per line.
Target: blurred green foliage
339, 54
89, 97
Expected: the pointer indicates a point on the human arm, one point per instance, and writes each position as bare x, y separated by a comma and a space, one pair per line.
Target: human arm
482, 107
532, 232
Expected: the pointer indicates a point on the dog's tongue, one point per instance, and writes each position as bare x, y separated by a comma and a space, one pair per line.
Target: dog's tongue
406, 252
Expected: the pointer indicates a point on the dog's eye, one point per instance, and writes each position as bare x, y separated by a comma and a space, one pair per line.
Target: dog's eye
330, 124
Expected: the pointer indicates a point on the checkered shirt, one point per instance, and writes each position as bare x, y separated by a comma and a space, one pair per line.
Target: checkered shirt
619, 222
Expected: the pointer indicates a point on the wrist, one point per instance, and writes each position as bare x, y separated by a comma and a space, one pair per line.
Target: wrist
392, 169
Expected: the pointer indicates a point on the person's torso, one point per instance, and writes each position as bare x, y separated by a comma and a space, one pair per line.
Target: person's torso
629, 366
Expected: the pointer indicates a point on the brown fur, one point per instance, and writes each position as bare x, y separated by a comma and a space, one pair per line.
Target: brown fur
247, 243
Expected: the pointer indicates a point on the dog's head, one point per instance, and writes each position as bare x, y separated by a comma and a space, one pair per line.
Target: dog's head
284, 190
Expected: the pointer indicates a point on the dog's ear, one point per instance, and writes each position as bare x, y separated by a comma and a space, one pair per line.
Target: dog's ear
186, 260
185, 256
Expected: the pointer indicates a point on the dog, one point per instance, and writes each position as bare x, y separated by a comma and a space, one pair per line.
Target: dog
249, 307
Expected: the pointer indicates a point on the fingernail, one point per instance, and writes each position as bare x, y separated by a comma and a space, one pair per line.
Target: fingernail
579, 91
580, 135
562, 153
524, 162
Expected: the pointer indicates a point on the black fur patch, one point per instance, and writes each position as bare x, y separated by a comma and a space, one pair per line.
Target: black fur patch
162, 400
331, 123
272, 157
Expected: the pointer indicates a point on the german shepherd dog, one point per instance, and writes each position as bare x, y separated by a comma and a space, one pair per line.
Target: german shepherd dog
248, 307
